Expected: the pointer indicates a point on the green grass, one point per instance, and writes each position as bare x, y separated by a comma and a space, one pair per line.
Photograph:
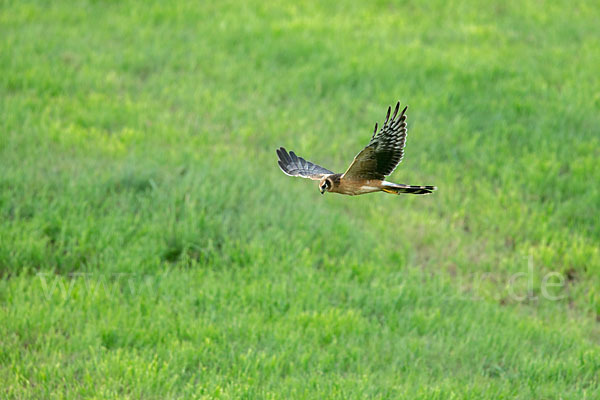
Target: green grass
151, 248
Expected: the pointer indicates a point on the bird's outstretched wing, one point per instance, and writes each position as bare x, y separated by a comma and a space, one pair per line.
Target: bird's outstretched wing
293, 165
385, 150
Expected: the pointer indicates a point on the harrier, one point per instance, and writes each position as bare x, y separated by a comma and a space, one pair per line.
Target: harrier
367, 172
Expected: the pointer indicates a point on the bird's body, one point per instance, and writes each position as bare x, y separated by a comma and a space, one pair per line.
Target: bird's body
352, 187
367, 172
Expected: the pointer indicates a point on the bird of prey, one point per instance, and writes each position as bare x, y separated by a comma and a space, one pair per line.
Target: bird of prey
367, 172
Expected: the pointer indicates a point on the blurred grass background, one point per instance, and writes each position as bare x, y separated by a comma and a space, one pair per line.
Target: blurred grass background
150, 247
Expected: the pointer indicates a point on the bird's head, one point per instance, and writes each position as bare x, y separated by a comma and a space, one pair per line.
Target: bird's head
325, 185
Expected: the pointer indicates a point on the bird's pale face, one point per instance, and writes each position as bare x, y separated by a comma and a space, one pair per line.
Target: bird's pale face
325, 185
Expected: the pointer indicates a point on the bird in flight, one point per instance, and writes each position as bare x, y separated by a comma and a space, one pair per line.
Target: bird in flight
367, 172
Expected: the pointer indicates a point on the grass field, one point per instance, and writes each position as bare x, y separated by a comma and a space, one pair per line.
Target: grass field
151, 248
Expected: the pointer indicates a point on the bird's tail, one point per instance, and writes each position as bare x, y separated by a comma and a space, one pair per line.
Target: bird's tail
395, 188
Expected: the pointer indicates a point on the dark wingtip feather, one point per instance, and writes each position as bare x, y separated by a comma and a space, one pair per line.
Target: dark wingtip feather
396, 110
294, 157
282, 166
284, 156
